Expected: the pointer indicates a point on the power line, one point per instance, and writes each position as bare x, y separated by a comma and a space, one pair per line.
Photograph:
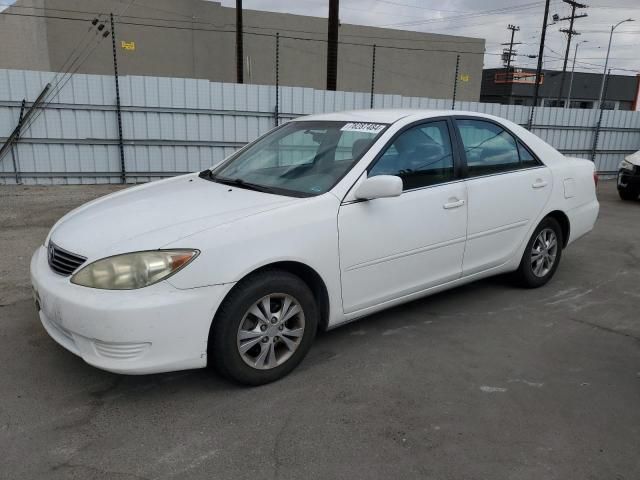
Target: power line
79, 60
257, 27
191, 28
458, 18
570, 33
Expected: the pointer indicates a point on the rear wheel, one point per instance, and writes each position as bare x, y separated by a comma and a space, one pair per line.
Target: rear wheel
264, 328
627, 193
542, 254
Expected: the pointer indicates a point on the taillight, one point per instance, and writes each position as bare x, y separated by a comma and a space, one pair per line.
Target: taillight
595, 178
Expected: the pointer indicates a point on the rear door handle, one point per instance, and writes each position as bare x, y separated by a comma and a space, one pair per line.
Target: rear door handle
540, 184
455, 204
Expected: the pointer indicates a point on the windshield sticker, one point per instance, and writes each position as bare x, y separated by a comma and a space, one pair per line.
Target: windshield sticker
363, 127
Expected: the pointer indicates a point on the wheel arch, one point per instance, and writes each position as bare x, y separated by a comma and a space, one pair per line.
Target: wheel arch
308, 275
565, 224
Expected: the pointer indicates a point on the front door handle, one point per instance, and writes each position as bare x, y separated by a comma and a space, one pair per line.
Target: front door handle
539, 183
454, 204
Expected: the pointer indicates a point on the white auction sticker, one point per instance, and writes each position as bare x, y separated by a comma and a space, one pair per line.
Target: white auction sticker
363, 127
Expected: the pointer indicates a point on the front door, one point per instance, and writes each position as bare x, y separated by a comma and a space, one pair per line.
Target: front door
393, 247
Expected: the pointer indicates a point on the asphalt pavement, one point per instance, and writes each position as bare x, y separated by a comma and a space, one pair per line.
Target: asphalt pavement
487, 381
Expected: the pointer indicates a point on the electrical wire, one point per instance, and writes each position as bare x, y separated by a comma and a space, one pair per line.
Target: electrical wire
79, 60
193, 21
322, 40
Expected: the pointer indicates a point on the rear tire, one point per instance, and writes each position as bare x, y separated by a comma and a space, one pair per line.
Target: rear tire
264, 328
627, 194
542, 254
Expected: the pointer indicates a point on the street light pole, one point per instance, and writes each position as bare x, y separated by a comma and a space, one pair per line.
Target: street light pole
606, 62
573, 67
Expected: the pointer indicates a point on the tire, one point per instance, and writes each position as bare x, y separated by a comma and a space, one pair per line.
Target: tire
247, 346
530, 274
627, 194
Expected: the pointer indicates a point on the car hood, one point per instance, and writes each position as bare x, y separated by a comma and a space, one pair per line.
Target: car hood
150, 216
634, 158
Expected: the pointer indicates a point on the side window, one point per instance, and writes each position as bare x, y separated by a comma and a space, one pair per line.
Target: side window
526, 159
488, 148
420, 156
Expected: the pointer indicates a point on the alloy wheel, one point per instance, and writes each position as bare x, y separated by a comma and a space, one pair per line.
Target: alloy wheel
544, 252
271, 331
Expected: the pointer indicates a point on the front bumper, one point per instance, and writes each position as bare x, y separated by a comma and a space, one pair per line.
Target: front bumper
627, 178
154, 329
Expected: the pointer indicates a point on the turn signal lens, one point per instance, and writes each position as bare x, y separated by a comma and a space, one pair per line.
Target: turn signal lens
133, 270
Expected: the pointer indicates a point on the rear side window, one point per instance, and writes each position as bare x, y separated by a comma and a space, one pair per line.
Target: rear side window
420, 156
490, 149
526, 158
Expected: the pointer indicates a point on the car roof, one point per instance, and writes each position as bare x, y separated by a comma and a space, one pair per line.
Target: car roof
388, 115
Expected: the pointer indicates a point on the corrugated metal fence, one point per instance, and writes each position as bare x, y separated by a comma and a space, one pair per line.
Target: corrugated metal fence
176, 125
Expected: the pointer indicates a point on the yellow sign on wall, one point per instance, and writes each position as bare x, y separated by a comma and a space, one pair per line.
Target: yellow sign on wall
128, 45
464, 77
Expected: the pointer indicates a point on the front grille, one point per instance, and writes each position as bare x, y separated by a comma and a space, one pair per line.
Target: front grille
63, 262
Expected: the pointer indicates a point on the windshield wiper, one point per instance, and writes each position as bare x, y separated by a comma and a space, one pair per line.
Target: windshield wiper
238, 182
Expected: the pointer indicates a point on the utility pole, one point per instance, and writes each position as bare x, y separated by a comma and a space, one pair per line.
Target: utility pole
570, 33
573, 67
332, 45
507, 55
536, 89
239, 44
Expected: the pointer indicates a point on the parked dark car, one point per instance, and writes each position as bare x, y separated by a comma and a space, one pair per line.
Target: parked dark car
629, 177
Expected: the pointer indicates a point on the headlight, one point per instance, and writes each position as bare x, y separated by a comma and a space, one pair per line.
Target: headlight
626, 165
133, 270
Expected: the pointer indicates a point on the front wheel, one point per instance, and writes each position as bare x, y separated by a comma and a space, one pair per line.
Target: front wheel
542, 254
264, 328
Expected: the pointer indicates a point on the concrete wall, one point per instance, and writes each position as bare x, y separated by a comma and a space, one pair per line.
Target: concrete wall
23, 40
182, 44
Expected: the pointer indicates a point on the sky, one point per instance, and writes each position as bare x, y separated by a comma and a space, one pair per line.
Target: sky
470, 18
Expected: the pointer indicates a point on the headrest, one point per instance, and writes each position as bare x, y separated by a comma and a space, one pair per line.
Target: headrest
359, 147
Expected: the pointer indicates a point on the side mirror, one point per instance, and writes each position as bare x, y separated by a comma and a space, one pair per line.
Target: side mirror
380, 186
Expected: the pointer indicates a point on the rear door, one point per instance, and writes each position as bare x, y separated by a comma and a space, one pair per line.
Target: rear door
507, 188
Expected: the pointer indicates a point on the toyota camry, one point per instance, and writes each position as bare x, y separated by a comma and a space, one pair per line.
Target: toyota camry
323, 220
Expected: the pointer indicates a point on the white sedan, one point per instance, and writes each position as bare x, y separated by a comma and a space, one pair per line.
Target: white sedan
323, 220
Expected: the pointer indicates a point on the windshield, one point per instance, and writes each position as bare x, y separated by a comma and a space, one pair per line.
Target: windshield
300, 158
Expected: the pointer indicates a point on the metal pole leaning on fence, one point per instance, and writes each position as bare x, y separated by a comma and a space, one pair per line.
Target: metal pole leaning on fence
596, 133
455, 83
8, 144
276, 113
373, 74
123, 171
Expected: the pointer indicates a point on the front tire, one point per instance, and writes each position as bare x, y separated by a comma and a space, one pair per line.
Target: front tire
264, 328
542, 254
